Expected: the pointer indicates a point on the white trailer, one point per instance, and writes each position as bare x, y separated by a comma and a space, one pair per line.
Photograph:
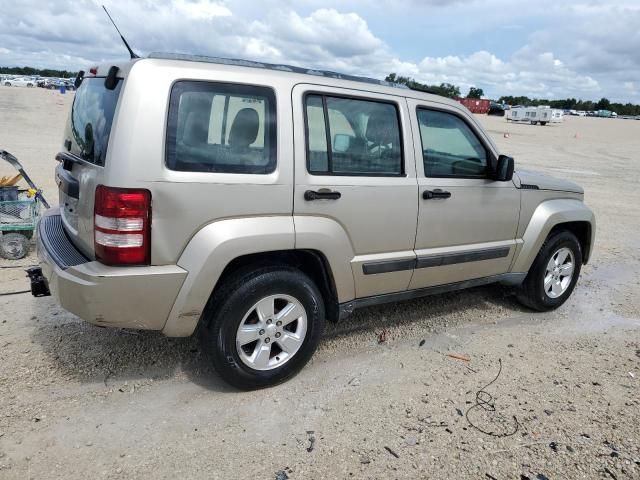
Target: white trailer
517, 114
557, 116
534, 115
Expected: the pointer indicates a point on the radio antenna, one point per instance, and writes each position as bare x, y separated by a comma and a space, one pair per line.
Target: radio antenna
133, 55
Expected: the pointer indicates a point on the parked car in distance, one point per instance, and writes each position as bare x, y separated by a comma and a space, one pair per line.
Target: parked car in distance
56, 84
248, 203
19, 82
496, 109
581, 113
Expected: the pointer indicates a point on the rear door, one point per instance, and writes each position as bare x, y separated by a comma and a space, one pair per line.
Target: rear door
83, 160
354, 164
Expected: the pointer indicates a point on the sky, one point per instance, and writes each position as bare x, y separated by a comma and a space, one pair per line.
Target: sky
543, 48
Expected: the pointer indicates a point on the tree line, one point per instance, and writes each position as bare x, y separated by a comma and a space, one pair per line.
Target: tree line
444, 89
41, 72
574, 104
453, 91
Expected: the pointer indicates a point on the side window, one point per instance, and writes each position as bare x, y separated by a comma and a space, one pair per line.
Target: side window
217, 127
449, 146
348, 136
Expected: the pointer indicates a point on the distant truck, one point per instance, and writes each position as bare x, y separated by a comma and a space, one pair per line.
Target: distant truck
540, 114
475, 105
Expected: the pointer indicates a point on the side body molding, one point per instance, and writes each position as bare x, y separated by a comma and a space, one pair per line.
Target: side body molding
546, 216
210, 251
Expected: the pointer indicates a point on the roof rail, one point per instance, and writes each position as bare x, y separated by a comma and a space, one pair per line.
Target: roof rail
425, 90
271, 66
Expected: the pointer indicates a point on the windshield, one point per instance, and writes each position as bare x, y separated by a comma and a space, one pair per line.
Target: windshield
91, 119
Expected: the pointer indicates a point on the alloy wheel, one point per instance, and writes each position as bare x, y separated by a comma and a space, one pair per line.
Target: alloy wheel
559, 272
271, 332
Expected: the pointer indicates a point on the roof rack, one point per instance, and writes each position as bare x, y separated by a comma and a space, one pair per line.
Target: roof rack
271, 66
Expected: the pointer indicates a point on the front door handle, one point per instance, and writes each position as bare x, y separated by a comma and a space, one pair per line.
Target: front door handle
322, 194
435, 194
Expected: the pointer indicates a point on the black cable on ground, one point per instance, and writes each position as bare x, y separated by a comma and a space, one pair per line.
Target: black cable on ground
485, 401
14, 293
2, 267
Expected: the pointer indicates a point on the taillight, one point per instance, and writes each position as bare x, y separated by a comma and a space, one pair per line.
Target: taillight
122, 226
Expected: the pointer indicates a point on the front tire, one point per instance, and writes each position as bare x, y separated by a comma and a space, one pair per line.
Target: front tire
554, 273
262, 326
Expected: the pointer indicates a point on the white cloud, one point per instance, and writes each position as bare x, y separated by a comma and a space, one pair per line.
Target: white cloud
201, 9
579, 48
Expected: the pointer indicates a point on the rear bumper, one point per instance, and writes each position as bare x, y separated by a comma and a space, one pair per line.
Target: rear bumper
124, 297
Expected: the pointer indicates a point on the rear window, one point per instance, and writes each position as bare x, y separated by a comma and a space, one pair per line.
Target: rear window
91, 119
220, 127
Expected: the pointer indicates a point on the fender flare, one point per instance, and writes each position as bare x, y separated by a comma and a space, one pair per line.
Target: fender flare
219, 243
208, 253
546, 216
329, 237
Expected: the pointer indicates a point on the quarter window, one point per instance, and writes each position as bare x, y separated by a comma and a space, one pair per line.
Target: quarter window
449, 146
216, 127
347, 136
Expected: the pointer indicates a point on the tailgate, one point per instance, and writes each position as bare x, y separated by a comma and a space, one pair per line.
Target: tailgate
82, 164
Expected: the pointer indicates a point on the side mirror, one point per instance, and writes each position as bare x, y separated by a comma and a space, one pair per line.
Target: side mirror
504, 169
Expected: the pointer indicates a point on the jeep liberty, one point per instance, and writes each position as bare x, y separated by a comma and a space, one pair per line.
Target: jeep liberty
248, 203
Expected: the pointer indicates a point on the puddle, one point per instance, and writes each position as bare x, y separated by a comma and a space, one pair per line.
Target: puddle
612, 275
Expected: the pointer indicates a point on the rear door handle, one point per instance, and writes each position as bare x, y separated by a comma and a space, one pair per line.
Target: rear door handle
322, 194
435, 194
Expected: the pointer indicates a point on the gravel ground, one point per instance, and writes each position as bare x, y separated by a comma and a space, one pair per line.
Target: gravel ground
77, 401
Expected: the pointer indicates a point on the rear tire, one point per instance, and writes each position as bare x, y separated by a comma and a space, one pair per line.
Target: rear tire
14, 246
554, 273
282, 316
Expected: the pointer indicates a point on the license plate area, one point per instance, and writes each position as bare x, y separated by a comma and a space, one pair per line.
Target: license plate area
69, 211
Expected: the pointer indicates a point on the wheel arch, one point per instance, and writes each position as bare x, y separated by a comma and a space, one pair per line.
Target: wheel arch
222, 247
312, 263
555, 215
583, 232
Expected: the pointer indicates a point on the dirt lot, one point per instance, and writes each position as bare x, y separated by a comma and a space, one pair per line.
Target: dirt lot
78, 401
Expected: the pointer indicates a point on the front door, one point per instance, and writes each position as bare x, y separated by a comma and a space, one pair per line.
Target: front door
467, 222
354, 166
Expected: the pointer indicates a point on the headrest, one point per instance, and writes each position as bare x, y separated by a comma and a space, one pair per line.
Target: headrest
381, 130
244, 129
196, 128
